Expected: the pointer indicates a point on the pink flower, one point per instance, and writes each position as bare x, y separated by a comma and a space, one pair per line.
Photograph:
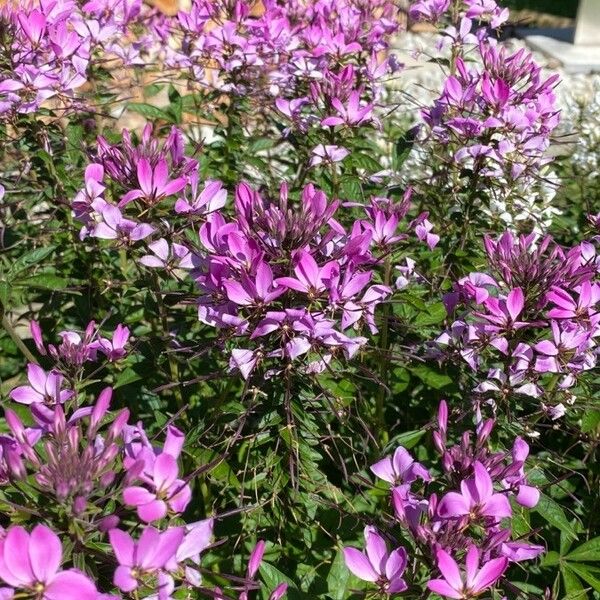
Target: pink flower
476, 580
114, 349
254, 293
44, 388
477, 498
166, 257
353, 114
310, 279
211, 198
154, 183
589, 296
400, 468
149, 555
377, 564
30, 562
169, 491
327, 154
114, 226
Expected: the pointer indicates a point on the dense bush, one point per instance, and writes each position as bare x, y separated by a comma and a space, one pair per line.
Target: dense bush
273, 326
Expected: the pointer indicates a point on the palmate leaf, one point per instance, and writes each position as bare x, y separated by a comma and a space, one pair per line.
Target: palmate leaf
588, 552
574, 589
552, 512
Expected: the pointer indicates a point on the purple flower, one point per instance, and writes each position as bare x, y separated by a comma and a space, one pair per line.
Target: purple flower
30, 563
148, 555
376, 564
475, 580
327, 154
352, 115
168, 491
477, 498
114, 226
114, 349
44, 388
400, 468
154, 183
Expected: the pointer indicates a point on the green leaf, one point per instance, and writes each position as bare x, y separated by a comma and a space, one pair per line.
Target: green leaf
45, 281
433, 315
408, 439
552, 512
149, 111
30, 259
585, 573
590, 551
337, 579
573, 587
126, 377
429, 376
273, 576
403, 148
590, 421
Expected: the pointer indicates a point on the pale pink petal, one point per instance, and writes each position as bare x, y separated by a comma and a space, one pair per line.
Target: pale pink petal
454, 504
124, 580
441, 587
515, 303
135, 496
359, 564
376, 549
152, 511
16, 556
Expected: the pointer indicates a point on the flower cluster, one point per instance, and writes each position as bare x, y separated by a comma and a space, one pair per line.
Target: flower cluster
106, 477
528, 324
311, 60
50, 47
283, 274
484, 140
139, 175
456, 516
291, 280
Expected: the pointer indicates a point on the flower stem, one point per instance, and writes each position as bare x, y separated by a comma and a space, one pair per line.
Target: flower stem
16, 339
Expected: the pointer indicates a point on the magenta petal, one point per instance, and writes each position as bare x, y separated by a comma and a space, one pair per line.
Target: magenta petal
359, 564
515, 303
71, 585
376, 549
37, 378
384, 470
16, 556
497, 506
122, 545
174, 186
179, 501
489, 574
26, 395
396, 563
153, 511
165, 471
449, 569
483, 482
528, 496
144, 174
170, 540
441, 587
453, 504
136, 495
45, 552
124, 580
